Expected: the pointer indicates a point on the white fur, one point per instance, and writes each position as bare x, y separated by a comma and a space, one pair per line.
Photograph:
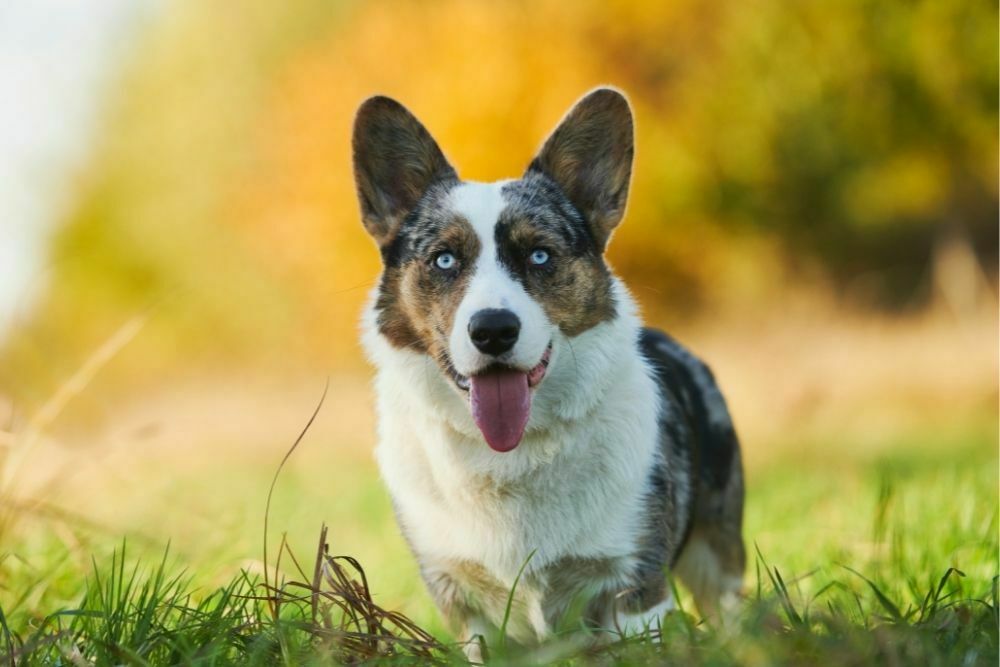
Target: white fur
435, 462
492, 287
575, 484
478, 630
646, 621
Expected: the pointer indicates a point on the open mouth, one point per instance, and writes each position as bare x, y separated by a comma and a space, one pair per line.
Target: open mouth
500, 398
535, 375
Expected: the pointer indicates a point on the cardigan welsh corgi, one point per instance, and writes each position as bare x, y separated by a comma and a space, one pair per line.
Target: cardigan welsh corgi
530, 430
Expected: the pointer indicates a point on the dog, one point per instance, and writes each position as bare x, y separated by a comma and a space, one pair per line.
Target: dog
530, 430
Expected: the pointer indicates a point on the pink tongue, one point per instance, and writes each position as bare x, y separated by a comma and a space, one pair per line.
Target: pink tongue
501, 404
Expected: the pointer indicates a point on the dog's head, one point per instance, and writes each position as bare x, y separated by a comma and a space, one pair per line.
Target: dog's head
487, 278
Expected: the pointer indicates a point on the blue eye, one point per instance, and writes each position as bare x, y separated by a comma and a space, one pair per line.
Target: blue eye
539, 257
445, 261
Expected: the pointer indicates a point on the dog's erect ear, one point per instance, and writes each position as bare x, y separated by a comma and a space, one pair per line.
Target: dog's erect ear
395, 161
590, 156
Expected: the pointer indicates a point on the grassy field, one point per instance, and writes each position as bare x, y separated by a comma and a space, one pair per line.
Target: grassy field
133, 531
877, 554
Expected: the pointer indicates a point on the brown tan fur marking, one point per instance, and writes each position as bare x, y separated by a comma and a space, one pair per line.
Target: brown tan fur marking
417, 301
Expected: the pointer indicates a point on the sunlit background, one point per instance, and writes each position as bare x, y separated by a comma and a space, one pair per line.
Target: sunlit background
182, 266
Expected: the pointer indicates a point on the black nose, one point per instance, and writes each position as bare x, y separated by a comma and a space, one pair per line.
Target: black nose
494, 331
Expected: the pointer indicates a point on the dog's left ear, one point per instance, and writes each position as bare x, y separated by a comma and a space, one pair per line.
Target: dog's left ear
590, 157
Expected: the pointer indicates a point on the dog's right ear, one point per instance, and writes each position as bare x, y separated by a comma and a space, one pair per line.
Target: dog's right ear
395, 161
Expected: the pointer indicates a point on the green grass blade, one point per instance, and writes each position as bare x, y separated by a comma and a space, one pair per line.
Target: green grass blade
510, 600
882, 598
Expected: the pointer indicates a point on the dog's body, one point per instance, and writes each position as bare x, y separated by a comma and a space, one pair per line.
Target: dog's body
526, 419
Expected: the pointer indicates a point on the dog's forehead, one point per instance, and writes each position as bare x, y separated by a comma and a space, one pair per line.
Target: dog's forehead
490, 211
480, 204
485, 206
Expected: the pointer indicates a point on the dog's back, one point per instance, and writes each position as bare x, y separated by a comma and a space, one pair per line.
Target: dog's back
698, 440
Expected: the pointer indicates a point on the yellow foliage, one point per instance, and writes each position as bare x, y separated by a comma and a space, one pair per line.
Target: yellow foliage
776, 142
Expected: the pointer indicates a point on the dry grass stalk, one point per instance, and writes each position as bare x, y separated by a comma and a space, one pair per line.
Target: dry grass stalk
342, 616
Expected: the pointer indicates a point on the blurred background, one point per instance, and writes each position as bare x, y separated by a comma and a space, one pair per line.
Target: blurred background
814, 211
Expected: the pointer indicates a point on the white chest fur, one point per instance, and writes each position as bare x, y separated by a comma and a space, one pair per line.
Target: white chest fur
574, 487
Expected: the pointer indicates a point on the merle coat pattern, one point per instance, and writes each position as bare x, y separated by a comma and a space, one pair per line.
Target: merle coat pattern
625, 465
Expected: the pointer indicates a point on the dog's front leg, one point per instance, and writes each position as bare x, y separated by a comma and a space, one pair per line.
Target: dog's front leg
475, 633
470, 625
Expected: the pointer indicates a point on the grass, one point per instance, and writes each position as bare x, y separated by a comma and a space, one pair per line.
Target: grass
861, 555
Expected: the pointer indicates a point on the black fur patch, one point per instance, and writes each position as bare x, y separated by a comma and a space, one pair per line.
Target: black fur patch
536, 197
698, 484
421, 227
691, 387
